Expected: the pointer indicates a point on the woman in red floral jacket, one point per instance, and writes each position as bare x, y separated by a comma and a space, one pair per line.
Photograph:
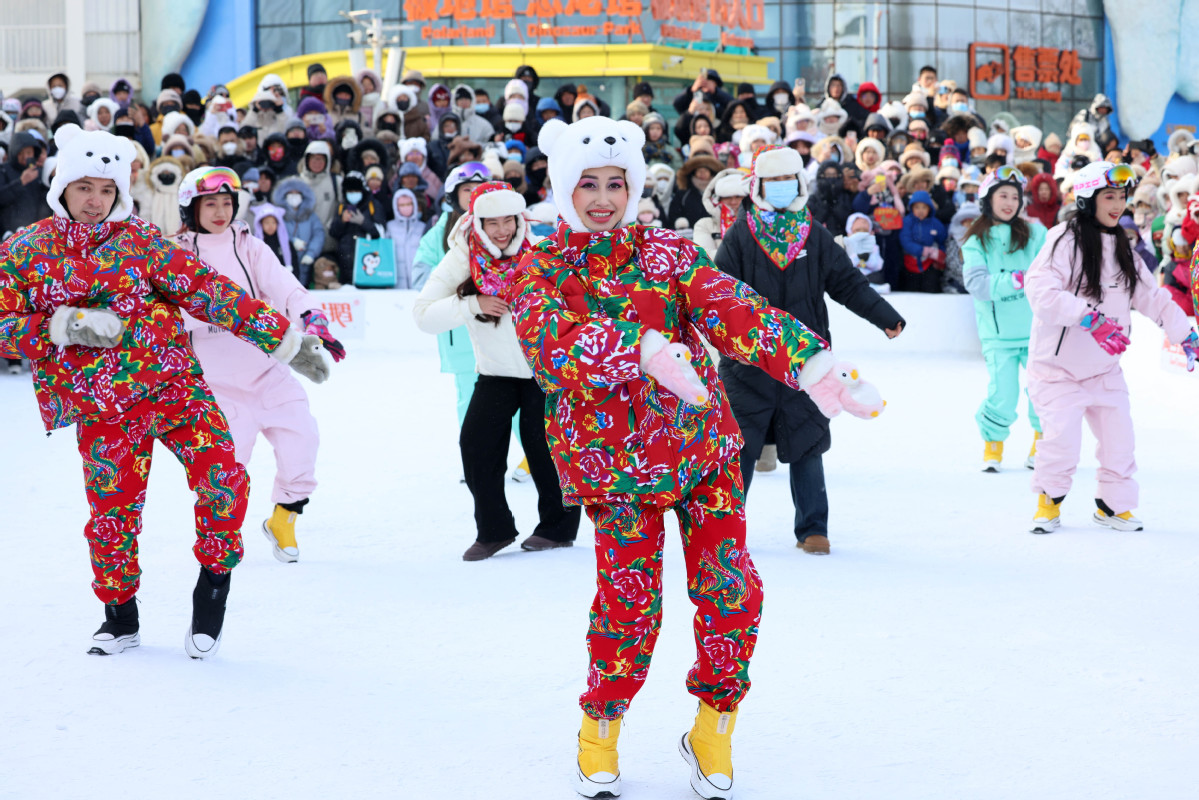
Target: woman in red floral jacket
93, 297
611, 317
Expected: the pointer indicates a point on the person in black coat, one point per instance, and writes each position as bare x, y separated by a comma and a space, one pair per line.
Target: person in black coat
359, 216
22, 192
760, 404
710, 83
831, 204
688, 201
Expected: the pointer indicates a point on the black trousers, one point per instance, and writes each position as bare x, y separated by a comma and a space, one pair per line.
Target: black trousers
484, 443
808, 492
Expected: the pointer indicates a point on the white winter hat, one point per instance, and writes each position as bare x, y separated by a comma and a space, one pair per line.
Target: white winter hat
587, 143
975, 137
414, 144
771, 163
1180, 141
730, 182
497, 200
517, 86
1029, 133
113, 107
870, 144
92, 154
317, 147
172, 121
755, 133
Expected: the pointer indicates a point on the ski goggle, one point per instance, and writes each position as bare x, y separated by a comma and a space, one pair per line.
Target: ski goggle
214, 179
472, 172
1010, 174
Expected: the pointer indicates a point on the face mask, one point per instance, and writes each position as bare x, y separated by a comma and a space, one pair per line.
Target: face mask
537, 176
512, 126
829, 185
402, 103
229, 148
449, 133
297, 146
781, 194
389, 126
58, 92
178, 151
88, 99
915, 115
250, 187
960, 108
295, 199
482, 108
648, 191
663, 184
342, 102
348, 140
124, 130
835, 156
781, 102
353, 198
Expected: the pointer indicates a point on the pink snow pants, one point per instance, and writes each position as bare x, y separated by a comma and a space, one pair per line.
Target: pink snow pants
1103, 402
282, 416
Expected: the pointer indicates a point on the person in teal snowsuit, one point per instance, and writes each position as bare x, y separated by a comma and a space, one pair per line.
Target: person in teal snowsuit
999, 247
454, 348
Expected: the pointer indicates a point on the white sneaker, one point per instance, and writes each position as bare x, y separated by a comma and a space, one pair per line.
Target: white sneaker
201, 645
1117, 522
105, 644
521, 473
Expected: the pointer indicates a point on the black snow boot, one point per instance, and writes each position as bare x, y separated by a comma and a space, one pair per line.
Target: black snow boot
119, 630
208, 614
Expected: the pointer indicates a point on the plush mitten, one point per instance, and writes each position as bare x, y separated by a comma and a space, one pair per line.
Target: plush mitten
858, 397
304, 354
299, 244
86, 327
819, 380
670, 365
1108, 334
1190, 346
1018, 279
317, 324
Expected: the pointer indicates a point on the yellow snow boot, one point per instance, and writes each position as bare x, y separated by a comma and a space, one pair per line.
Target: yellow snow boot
280, 531
992, 456
708, 748
598, 771
521, 473
1031, 461
1049, 514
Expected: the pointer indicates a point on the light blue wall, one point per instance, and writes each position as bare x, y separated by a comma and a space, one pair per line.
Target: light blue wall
1178, 112
225, 46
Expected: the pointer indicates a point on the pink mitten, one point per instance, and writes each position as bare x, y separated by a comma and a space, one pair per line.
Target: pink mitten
1018, 279
1108, 334
857, 396
670, 365
819, 379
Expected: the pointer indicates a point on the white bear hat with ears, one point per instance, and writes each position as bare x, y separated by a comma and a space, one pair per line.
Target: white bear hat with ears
588, 143
92, 154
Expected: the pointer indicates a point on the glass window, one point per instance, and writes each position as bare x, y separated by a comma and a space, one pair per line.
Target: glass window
854, 65
904, 68
1088, 37
1002, 4
278, 12
319, 38
323, 10
1057, 6
991, 26
955, 28
1025, 5
1026, 30
1093, 8
1057, 32
912, 26
854, 24
279, 42
952, 64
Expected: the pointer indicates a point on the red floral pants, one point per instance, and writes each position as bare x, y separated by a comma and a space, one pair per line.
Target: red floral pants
627, 612
116, 465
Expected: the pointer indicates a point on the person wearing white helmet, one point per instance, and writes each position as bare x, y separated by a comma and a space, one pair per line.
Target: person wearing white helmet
998, 248
257, 394
609, 314
1082, 287
95, 296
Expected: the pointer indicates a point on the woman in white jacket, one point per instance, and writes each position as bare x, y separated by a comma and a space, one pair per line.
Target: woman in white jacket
472, 286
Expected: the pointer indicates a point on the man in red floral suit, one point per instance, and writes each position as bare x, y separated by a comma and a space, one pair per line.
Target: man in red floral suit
93, 297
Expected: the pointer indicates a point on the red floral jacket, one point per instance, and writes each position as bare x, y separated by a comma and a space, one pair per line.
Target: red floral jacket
582, 305
129, 268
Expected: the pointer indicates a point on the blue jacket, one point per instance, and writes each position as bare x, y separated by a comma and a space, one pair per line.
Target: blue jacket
918, 234
1002, 311
454, 347
302, 223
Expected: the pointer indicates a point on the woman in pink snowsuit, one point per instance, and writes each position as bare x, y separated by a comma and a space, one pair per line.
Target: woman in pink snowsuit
255, 396
1083, 286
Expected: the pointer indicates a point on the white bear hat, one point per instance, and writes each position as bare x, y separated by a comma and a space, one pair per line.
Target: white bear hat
92, 154
588, 143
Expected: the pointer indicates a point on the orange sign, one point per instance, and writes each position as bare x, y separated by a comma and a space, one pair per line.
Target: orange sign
989, 63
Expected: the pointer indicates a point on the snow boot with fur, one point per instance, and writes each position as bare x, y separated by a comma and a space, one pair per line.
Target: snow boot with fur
208, 614
1049, 514
597, 769
119, 631
708, 748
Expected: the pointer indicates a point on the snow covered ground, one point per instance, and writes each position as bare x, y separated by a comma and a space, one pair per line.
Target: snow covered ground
941, 651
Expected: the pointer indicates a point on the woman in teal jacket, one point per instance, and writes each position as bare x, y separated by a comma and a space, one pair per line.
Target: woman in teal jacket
457, 355
999, 247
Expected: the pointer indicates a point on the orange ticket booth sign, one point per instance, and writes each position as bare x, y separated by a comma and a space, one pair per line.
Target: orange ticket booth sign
999, 72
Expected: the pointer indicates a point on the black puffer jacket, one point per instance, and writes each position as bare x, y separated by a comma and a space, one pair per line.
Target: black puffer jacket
822, 267
21, 204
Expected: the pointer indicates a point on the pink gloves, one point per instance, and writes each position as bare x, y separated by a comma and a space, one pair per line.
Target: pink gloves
317, 324
670, 365
1018, 279
1108, 334
836, 387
